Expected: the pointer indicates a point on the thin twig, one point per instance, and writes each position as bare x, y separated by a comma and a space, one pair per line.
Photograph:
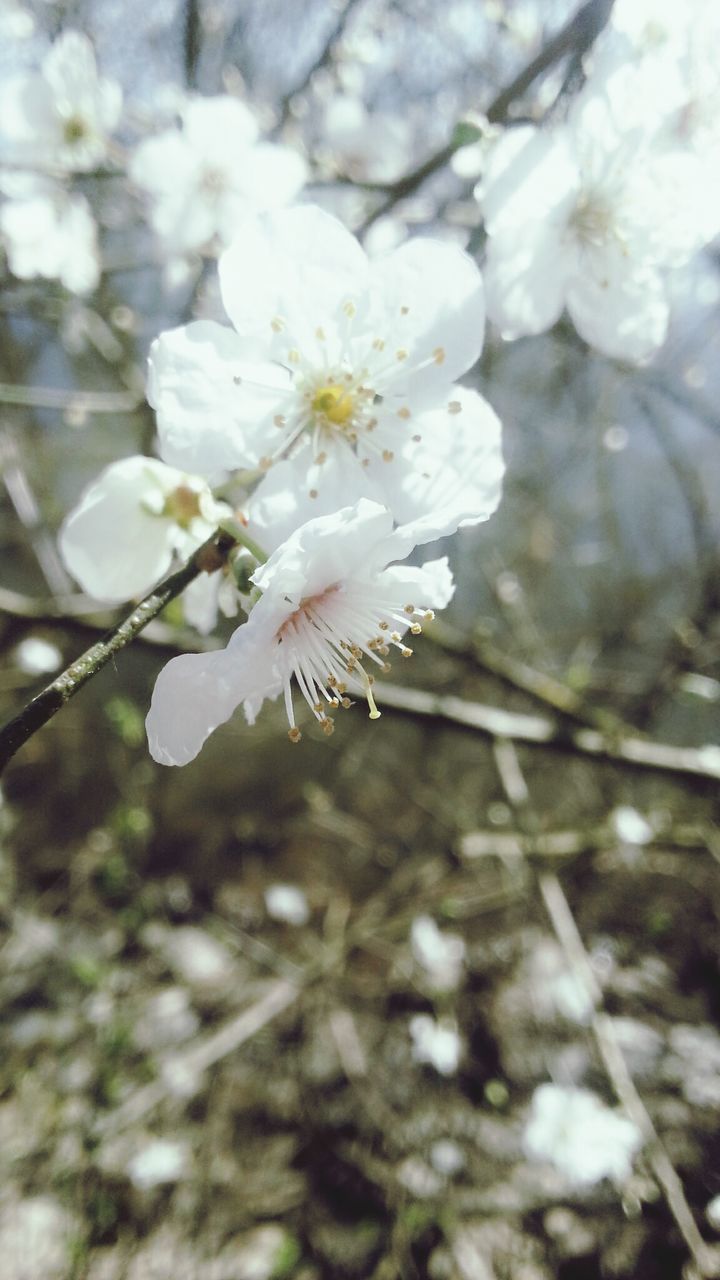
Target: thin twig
211, 555
700, 762
705, 1258
568, 935
59, 398
577, 34
190, 1066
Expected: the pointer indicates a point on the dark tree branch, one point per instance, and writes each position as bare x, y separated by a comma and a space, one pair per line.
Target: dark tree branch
210, 556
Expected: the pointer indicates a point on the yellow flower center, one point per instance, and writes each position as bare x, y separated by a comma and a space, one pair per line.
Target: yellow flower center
74, 130
334, 402
182, 506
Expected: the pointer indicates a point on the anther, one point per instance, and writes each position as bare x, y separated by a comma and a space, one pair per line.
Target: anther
312, 493
409, 608
416, 629
294, 734
404, 413
405, 652
404, 311
439, 355
401, 354
388, 455
454, 406
280, 420
277, 325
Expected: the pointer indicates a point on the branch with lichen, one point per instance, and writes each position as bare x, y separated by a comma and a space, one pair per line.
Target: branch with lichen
210, 556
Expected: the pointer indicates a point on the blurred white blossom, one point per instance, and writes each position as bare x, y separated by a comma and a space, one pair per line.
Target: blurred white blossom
203, 178
573, 1130
369, 146
440, 955
53, 235
61, 116
436, 1042
288, 903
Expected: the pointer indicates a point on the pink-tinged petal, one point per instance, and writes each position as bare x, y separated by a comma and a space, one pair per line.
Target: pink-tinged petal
426, 298
214, 409
621, 312
197, 692
452, 476
296, 266
526, 280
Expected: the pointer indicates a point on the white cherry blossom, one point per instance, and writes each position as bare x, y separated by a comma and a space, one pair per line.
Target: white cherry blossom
129, 525
51, 234
371, 146
586, 1141
210, 173
61, 116
589, 215
339, 366
332, 608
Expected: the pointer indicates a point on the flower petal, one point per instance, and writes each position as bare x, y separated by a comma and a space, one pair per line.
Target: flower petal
622, 312
428, 297
526, 279
299, 265
206, 421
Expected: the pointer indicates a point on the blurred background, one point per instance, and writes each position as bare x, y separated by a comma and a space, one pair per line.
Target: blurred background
285, 1012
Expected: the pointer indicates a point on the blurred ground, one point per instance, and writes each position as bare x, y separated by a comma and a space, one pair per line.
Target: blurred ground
306, 1140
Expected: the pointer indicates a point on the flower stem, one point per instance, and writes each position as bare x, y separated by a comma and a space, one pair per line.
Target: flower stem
241, 537
210, 556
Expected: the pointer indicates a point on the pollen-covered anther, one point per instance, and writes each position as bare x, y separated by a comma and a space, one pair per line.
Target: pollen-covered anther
350, 309
294, 734
320, 333
404, 413
321, 457
327, 726
409, 608
346, 702
378, 344
416, 629
401, 354
265, 463
454, 406
439, 355
280, 420
384, 626
387, 455
429, 615
294, 355
312, 493
386, 667
404, 311
405, 652
277, 324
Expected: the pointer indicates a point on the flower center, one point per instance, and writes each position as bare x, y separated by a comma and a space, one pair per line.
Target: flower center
74, 130
182, 506
591, 219
323, 643
334, 402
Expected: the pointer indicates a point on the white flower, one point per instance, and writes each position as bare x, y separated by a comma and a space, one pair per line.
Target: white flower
436, 1043
287, 903
330, 606
369, 146
61, 115
53, 235
441, 955
131, 522
586, 1141
206, 176
347, 363
587, 216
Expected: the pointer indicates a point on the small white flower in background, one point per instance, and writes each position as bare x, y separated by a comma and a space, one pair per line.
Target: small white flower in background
440, 955
159, 1163
37, 657
52, 234
589, 215
630, 826
436, 1042
287, 903
131, 522
331, 603
341, 366
586, 1141
206, 176
370, 146
62, 115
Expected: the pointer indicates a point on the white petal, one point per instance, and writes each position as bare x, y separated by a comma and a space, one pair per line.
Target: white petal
206, 421
200, 602
299, 264
427, 297
622, 313
196, 693
526, 280
282, 501
532, 176
327, 550
110, 543
429, 586
453, 476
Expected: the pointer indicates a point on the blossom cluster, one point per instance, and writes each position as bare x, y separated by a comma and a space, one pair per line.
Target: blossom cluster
327, 426
590, 213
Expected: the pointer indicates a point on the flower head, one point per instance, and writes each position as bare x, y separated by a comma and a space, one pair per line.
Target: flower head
129, 524
339, 365
60, 116
332, 611
51, 234
208, 175
586, 1141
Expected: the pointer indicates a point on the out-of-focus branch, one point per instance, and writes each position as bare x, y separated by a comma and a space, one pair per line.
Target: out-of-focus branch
576, 36
496, 722
60, 398
322, 59
210, 556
